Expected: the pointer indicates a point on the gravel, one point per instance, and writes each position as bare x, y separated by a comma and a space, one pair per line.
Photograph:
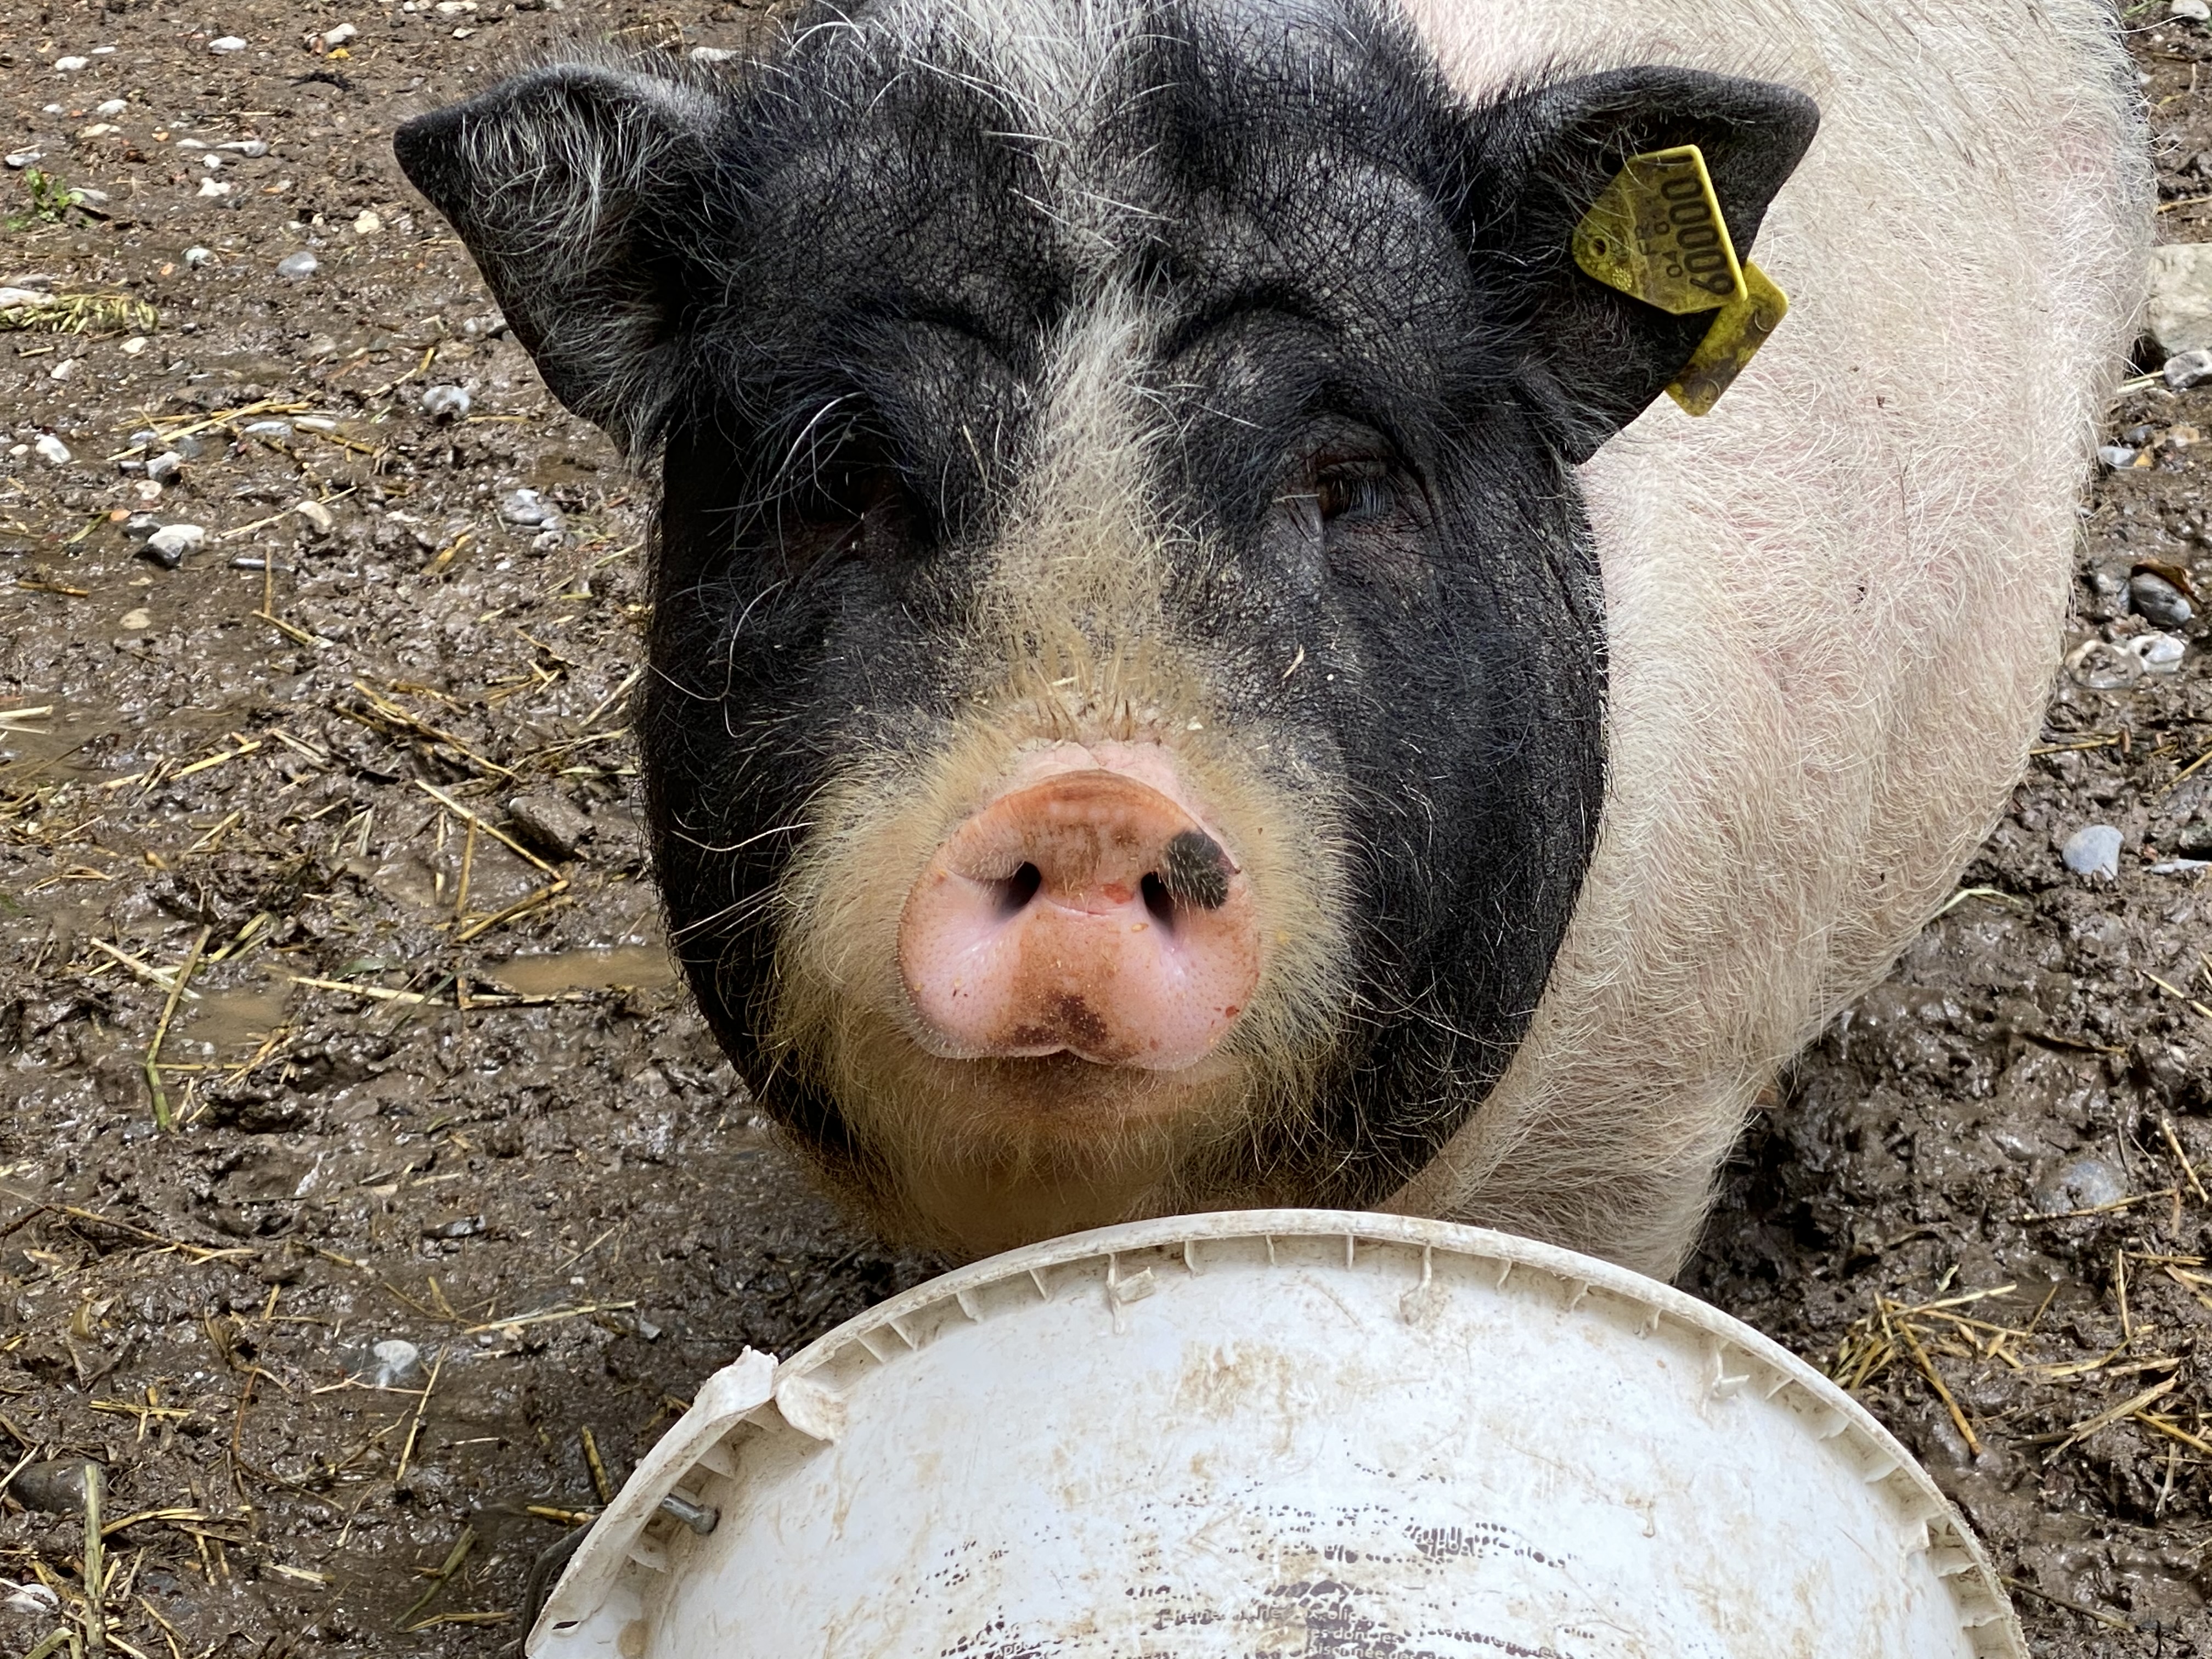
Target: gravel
2093, 851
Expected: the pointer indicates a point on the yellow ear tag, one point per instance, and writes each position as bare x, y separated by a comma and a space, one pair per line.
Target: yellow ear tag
1656, 235
1735, 336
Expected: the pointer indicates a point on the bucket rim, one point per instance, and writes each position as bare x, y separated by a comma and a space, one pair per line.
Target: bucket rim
756, 1388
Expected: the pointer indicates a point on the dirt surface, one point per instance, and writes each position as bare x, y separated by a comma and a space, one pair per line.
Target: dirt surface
356, 779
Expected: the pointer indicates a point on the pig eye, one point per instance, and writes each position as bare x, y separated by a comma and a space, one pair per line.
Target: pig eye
848, 491
1355, 493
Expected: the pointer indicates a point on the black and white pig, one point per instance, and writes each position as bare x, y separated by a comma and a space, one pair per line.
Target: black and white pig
1189, 670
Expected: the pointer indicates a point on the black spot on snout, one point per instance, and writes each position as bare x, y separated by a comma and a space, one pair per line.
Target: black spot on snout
1196, 871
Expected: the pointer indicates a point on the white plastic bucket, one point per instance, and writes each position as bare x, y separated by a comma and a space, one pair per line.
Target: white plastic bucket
1278, 1433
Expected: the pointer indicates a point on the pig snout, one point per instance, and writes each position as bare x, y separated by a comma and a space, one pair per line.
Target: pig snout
1088, 912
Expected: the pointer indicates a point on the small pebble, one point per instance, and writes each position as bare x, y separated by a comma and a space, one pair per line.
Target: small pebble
136, 622
552, 822
2159, 653
2087, 1183
248, 147
461, 1226
547, 540
296, 265
54, 1485
2100, 666
318, 516
528, 508
390, 1363
164, 466
2180, 867
2188, 368
113, 107
35, 1598
139, 526
445, 403
213, 187
2194, 11
64, 369
12, 297
255, 562
2095, 851
169, 544
196, 256
133, 346
315, 424
711, 54
23, 158
71, 65
2119, 456
367, 223
52, 450
2158, 600
226, 43
266, 430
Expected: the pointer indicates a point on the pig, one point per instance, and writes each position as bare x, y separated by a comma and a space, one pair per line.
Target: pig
1192, 665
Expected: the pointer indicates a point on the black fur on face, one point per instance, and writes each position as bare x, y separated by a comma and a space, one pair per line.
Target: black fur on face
1353, 365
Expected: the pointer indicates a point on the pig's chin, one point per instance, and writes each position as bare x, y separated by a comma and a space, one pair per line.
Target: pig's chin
970, 1157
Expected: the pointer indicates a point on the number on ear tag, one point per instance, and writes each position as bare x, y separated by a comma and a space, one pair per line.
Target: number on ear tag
1735, 336
1656, 235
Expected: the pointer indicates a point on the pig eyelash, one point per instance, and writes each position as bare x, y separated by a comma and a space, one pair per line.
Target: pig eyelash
1355, 493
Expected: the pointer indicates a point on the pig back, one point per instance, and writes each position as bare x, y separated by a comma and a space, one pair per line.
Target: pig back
1835, 604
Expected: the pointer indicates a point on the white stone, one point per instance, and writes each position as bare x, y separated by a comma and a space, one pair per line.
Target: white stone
249, 147
2195, 11
133, 346
69, 65
113, 107
226, 43
2179, 315
175, 540
12, 297
99, 130
213, 187
164, 466
23, 158
367, 224
64, 369
136, 622
196, 256
2093, 851
711, 54
318, 516
52, 451
2159, 653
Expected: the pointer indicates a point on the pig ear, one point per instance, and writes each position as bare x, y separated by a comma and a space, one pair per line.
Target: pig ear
1593, 357
569, 186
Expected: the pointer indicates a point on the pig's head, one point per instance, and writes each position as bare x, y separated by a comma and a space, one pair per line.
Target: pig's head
1127, 724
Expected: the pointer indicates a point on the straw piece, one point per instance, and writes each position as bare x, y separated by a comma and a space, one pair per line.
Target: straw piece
161, 1031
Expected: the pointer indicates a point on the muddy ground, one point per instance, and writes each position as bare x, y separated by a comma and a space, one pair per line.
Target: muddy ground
336, 822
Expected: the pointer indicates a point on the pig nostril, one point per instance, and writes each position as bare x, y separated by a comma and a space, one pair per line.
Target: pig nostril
1158, 900
1018, 888
1197, 871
